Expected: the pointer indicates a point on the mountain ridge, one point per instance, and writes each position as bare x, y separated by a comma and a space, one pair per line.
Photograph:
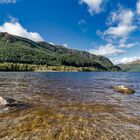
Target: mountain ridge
135, 62
133, 66
17, 49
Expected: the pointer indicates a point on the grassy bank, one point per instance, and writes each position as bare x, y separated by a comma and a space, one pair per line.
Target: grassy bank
42, 68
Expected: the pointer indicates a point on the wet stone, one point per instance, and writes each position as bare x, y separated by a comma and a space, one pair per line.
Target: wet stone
124, 89
10, 104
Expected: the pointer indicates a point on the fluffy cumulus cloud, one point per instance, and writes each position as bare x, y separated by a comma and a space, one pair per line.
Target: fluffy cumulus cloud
15, 28
126, 60
123, 20
120, 31
120, 26
94, 6
107, 50
7, 1
138, 7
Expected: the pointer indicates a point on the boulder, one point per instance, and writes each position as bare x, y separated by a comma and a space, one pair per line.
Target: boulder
124, 89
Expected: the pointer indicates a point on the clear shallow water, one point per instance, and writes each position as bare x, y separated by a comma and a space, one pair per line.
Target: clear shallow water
70, 106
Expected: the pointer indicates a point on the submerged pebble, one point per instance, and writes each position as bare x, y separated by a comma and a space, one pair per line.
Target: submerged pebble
6, 101
7, 104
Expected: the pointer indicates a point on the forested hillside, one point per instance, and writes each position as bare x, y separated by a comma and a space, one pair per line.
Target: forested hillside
14, 49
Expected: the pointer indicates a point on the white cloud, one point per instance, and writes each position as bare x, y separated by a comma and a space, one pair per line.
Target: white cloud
66, 45
7, 1
121, 25
130, 45
83, 25
126, 60
123, 40
120, 31
138, 7
81, 22
94, 6
121, 16
106, 50
123, 20
15, 28
51, 43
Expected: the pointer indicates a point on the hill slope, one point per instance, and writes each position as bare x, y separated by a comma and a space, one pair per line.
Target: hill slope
135, 62
132, 67
21, 50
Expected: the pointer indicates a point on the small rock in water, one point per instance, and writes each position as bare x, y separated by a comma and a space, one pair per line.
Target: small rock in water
9, 104
124, 89
6, 101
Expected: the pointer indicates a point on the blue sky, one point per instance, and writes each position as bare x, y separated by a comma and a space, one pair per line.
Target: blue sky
103, 27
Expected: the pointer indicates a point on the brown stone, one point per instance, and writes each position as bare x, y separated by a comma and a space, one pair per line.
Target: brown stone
124, 89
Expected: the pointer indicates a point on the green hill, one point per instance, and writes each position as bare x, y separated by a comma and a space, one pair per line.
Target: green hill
14, 49
132, 67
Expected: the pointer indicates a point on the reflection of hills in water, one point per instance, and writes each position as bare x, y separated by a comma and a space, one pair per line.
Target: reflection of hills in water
71, 106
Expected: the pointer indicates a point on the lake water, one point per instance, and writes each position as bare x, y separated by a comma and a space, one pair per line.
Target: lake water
70, 106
